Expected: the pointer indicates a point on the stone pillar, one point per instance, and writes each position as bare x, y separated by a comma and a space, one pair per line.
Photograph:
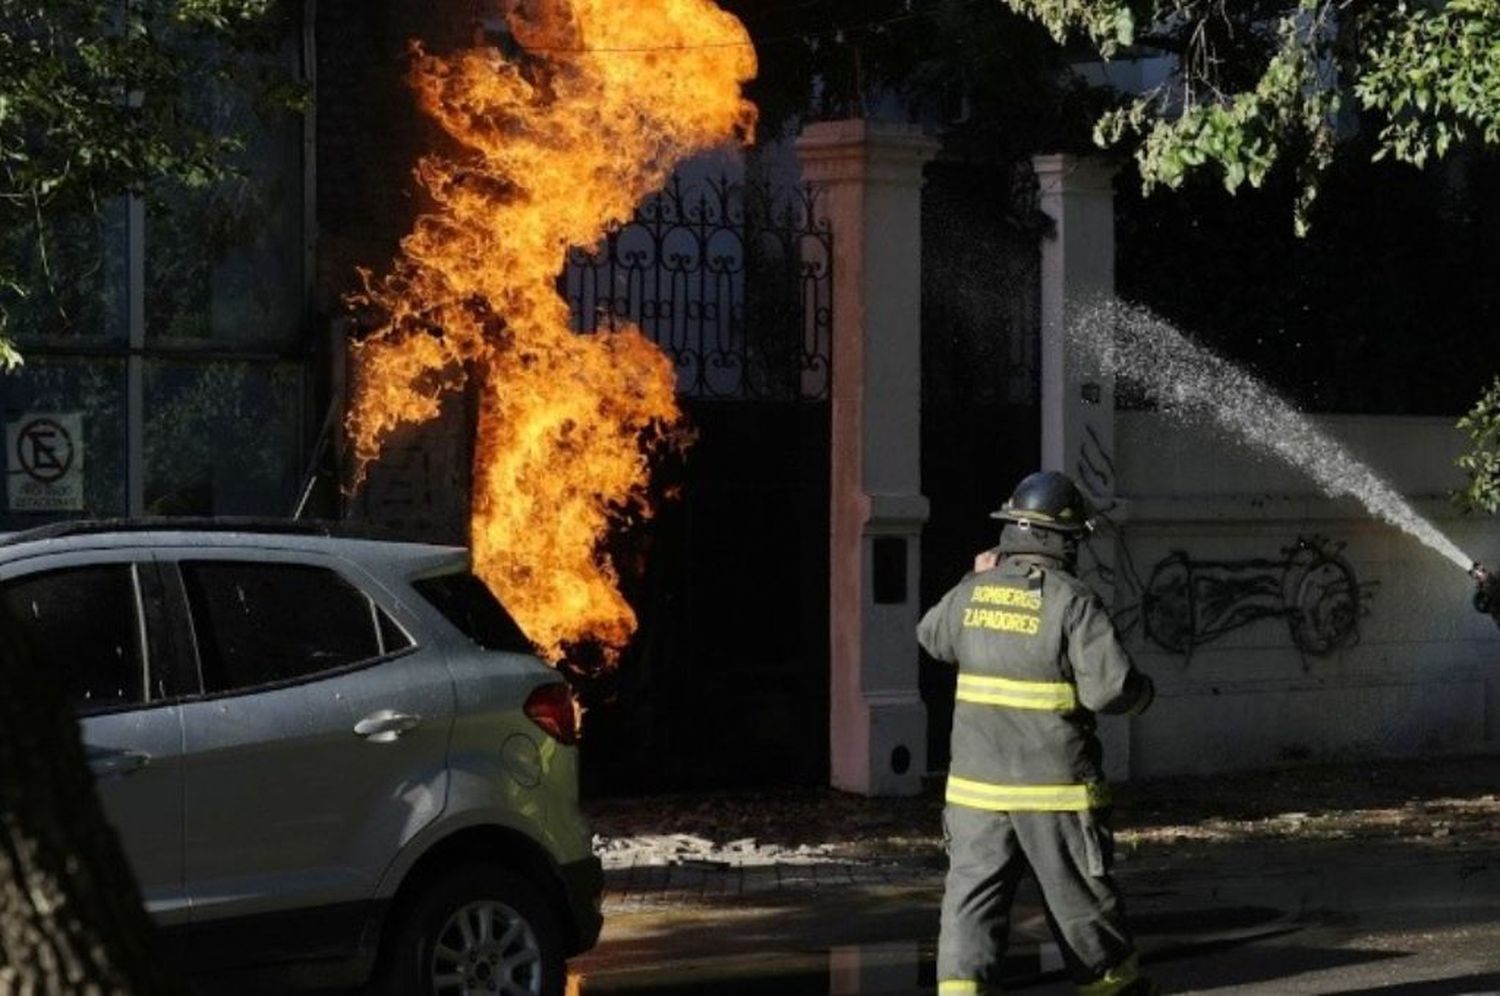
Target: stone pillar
1078, 401
871, 177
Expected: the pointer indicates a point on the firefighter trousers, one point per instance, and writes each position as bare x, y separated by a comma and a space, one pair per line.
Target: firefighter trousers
1070, 853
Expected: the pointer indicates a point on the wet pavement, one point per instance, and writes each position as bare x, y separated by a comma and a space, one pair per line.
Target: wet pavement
1311, 921
908, 967
905, 966
1418, 953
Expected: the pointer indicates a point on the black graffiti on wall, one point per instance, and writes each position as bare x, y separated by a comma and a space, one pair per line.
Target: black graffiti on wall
1184, 604
1188, 603
1095, 470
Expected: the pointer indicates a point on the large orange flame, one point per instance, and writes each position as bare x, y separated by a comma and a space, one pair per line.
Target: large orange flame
555, 145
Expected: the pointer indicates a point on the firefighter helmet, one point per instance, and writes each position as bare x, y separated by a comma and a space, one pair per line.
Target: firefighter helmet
1049, 500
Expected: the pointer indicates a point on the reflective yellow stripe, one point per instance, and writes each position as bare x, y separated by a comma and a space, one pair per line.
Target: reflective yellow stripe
1026, 798
1050, 696
1009, 701
965, 987
1114, 980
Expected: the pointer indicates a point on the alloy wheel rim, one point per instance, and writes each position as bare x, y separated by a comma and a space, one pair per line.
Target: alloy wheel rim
486, 948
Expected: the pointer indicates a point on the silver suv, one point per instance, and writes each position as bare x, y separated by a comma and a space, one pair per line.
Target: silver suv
330, 760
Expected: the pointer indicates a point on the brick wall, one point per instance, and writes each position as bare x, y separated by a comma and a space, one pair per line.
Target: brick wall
370, 135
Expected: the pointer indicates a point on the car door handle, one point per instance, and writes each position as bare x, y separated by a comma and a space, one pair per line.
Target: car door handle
105, 762
386, 725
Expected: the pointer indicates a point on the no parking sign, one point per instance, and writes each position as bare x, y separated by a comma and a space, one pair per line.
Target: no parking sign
44, 462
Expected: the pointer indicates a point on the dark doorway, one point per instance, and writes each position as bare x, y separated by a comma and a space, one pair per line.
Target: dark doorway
726, 682
981, 416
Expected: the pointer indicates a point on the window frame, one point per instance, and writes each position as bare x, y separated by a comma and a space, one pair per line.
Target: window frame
186, 625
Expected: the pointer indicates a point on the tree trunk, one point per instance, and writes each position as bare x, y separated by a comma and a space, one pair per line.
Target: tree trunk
71, 917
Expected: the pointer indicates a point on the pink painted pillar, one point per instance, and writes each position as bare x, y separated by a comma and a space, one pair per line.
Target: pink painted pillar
871, 177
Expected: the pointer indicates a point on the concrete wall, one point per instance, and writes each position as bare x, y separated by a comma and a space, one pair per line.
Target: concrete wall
1418, 671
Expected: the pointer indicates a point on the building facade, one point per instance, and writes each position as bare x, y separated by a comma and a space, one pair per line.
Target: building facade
193, 363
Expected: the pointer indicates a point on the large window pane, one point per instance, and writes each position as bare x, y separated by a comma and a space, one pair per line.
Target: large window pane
259, 624
226, 264
222, 438
75, 275
82, 626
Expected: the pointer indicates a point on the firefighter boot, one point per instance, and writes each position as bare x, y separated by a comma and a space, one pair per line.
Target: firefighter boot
1125, 979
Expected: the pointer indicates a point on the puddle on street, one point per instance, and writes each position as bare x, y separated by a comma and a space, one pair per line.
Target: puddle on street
904, 968
894, 968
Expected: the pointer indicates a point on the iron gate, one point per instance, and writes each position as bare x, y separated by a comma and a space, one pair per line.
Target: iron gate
727, 679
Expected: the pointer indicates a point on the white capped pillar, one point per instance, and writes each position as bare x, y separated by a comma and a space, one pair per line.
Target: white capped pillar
870, 175
1078, 402
1078, 271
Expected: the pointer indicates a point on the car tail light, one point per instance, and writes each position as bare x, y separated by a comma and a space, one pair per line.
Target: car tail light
553, 708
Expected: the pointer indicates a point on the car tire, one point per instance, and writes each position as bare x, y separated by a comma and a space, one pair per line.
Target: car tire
475, 928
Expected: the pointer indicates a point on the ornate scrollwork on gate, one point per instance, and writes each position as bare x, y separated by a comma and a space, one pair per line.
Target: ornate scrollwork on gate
733, 280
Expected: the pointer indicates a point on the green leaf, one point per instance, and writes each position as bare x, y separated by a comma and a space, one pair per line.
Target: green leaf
10, 356
1234, 175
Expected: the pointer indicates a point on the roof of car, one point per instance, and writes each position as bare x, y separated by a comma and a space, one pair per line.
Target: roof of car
223, 531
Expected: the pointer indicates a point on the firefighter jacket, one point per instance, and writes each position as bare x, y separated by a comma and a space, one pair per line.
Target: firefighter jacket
1037, 656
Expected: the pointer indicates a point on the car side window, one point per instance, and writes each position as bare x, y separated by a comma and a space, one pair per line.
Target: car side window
466, 602
83, 624
263, 623
392, 637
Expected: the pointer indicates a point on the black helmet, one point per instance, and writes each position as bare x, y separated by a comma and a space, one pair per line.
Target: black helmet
1049, 500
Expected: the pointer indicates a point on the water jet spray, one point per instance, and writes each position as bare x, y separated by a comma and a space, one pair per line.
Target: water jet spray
1193, 383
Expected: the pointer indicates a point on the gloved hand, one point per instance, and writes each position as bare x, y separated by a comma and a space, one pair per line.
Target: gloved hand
1146, 691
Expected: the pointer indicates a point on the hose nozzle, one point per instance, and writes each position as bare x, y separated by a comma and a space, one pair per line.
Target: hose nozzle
1487, 591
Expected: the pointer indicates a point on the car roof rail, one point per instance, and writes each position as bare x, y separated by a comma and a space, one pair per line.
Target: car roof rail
206, 524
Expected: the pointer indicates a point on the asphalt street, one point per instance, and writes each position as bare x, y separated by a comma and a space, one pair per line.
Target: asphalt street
1364, 924
1420, 952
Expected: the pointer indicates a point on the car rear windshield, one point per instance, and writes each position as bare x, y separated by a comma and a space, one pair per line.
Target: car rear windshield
467, 603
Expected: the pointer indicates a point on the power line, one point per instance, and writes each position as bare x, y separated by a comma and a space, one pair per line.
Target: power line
831, 32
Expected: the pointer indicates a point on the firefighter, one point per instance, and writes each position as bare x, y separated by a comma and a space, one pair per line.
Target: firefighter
1037, 657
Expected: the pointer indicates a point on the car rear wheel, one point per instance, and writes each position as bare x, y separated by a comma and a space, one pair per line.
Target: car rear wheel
475, 931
